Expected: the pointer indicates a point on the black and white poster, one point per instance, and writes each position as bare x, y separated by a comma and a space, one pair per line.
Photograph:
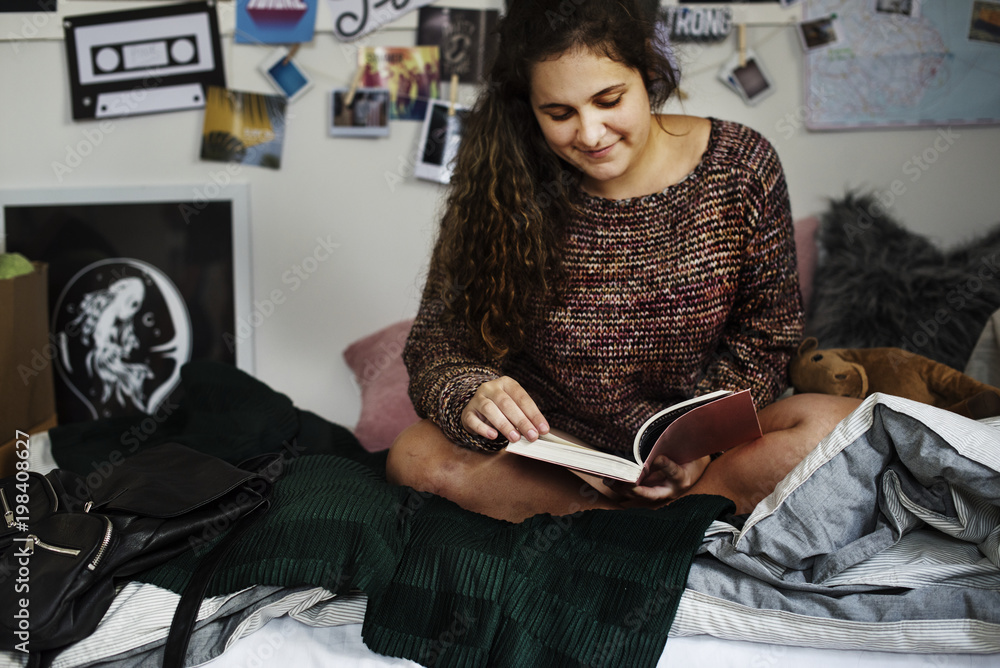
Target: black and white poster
467, 39
143, 61
138, 286
28, 5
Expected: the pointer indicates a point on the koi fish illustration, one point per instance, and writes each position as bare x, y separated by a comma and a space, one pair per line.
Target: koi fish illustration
106, 318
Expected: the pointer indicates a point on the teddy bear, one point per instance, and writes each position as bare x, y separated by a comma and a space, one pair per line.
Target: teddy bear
860, 372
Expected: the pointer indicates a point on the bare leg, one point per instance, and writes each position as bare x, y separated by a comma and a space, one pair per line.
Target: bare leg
514, 488
792, 427
501, 485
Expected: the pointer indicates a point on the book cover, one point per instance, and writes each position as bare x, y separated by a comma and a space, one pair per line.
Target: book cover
467, 39
411, 73
248, 128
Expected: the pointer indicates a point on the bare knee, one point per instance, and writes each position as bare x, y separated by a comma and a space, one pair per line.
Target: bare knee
817, 413
422, 457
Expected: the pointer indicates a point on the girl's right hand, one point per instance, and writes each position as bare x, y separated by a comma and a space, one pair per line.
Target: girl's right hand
502, 406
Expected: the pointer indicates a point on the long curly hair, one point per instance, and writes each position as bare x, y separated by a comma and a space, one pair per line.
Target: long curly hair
498, 245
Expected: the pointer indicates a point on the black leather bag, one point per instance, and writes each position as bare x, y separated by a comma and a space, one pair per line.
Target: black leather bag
67, 541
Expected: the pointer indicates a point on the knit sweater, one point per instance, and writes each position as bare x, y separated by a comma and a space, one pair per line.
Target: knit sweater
664, 297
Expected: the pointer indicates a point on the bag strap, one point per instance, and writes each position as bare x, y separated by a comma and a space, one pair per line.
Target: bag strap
186, 613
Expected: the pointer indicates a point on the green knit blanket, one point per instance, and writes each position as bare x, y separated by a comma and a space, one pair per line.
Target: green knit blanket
445, 586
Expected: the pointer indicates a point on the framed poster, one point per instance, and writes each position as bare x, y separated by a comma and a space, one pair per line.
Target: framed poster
141, 281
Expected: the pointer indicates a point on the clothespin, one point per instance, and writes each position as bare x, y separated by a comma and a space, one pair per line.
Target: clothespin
741, 31
453, 92
292, 50
349, 98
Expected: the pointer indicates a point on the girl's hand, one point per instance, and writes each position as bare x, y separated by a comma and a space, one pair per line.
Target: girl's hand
502, 406
666, 480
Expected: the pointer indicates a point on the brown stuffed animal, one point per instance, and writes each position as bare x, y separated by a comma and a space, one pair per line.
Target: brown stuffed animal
860, 372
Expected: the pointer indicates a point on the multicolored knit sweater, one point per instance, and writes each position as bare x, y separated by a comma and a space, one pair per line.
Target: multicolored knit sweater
666, 296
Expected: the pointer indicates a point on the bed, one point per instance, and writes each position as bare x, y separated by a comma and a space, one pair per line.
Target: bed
881, 548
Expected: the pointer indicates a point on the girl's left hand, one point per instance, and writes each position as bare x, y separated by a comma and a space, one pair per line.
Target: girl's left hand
666, 480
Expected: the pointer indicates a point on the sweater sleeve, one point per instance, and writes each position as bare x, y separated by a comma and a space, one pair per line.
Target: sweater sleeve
444, 374
767, 318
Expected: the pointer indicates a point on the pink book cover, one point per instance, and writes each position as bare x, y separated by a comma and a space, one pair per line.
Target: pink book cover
712, 427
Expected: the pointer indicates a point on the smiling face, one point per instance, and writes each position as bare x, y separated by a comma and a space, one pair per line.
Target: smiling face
594, 113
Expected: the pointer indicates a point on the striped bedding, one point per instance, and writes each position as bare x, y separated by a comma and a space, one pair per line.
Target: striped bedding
885, 539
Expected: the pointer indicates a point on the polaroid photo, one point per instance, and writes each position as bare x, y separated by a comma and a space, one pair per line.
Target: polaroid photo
287, 77
366, 116
750, 80
984, 26
439, 139
819, 33
898, 8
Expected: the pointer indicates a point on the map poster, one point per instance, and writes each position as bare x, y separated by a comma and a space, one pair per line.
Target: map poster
894, 68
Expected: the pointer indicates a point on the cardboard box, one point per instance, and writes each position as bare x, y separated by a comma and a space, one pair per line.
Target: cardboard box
27, 356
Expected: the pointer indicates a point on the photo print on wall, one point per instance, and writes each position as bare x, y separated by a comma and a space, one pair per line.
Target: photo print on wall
411, 73
248, 128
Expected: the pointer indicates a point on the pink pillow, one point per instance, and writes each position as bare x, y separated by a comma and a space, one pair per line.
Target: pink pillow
377, 363
806, 250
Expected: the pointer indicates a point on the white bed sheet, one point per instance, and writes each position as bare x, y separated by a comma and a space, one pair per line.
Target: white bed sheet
284, 642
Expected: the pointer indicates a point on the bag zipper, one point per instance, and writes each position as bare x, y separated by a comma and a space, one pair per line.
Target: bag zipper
33, 541
104, 546
8, 514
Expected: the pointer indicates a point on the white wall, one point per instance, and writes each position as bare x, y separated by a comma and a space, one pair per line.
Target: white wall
336, 188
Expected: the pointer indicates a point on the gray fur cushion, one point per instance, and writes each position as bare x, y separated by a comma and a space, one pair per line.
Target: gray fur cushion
878, 284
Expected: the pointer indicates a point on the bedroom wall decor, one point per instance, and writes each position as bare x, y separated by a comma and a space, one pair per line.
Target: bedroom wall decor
141, 280
439, 140
243, 127
143, 61
275, 21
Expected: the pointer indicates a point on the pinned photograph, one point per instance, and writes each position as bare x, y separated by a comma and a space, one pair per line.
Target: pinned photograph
287, 77
750, 80
818, 33
439, 140
242, 127
275, 21
985, 24
905, 8
467, 39
367, 115
411, 73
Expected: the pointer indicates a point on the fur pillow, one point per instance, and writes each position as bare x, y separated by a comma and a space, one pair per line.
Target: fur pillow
880, 285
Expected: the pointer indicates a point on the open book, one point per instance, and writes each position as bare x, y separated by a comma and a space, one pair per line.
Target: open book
683, 432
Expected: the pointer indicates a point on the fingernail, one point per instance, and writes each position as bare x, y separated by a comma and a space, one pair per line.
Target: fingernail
544, 427
513, 437
532, 434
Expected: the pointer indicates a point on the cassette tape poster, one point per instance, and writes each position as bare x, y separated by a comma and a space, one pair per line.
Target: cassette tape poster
275, 21
143, 61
